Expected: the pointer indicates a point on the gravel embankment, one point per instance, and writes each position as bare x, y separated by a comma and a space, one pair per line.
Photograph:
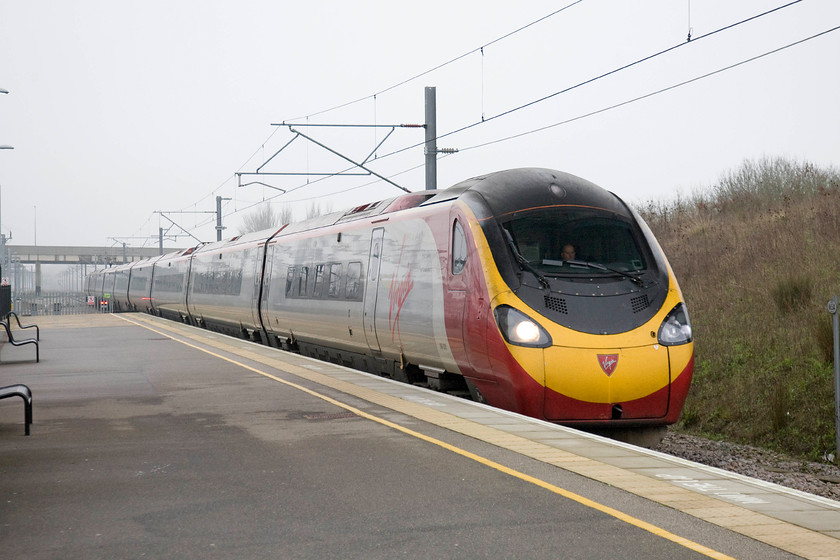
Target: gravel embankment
821, 479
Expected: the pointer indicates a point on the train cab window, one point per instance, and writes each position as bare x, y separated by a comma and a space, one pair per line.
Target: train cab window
354, 281
571, 241
459, 248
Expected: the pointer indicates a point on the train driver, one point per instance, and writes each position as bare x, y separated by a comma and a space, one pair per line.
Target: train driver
568, 252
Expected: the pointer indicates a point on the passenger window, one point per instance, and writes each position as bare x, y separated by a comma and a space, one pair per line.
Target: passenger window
290, 282
302, 281
319, 281
459, 248
335, 281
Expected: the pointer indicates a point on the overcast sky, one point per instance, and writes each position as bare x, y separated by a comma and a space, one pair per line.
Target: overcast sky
118, 111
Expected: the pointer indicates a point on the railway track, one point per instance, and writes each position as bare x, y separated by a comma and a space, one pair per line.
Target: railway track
821, 479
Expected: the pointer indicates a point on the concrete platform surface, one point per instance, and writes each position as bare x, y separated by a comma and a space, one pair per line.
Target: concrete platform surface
153, 439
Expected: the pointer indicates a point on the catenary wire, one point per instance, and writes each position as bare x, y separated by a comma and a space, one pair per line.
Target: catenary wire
653, 93
535, 101
438, 67
592, 113
594, 79
387, 89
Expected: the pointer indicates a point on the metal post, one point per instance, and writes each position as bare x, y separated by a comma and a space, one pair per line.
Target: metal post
2, 238
160, 240
431, 139
219, 226
37, 259
832, 308
218, 218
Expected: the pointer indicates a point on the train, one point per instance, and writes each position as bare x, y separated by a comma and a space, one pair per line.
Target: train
531, 290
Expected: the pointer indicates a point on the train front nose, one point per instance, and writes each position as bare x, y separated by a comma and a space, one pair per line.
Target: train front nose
597, 384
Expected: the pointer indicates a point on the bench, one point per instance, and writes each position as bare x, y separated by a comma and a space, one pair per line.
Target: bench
24, 341
37, 329
23, 392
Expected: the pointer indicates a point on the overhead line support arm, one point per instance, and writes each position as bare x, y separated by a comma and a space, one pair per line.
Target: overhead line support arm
357, 164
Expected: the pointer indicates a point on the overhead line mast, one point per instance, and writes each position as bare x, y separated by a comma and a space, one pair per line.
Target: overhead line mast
430, 149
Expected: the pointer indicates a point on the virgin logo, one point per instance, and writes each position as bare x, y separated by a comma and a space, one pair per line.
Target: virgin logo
608, 363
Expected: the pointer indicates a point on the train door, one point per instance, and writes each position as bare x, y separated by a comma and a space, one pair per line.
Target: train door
476, 307
186, 287
372, 288
456, 288
260, 283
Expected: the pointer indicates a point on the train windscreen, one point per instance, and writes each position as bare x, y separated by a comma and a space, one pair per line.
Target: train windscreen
576, 241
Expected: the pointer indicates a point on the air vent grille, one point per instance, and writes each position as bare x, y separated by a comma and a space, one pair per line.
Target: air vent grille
640, 303
556, 304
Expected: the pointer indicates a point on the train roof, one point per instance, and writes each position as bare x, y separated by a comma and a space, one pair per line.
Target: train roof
506, 192
177, 254
502, 192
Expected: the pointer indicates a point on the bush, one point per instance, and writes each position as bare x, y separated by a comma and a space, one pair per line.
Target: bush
792, 294
824, 336
763, 338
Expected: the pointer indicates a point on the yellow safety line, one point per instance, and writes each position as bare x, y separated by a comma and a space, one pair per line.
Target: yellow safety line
629, 519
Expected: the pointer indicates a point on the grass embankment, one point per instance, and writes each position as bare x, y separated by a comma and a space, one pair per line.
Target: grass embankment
757, 256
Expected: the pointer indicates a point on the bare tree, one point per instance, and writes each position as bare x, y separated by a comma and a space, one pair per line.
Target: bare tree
315, 209
265, 217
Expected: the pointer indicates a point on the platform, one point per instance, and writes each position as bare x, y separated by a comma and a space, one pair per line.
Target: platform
155, 439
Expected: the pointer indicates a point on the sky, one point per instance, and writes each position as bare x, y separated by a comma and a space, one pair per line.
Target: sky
129, 117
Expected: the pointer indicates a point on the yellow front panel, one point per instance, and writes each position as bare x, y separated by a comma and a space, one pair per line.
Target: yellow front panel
577, 372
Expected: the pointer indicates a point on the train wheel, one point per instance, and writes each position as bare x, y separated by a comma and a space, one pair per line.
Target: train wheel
474, 392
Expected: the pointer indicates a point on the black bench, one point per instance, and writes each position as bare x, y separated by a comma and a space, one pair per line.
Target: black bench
24, 341
37, 329
23, 392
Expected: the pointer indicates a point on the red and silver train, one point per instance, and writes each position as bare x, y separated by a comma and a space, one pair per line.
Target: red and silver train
535, 290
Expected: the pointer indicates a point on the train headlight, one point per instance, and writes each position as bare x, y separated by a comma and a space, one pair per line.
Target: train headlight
519, 329
676, 328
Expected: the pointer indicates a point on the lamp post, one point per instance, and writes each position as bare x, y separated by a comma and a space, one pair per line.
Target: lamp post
37, 260
3, 235
3, 267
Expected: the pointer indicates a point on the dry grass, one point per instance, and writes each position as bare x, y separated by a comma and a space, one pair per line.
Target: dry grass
758, 258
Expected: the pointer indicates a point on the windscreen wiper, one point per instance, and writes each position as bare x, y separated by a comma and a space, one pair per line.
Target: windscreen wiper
523, 262
599, 266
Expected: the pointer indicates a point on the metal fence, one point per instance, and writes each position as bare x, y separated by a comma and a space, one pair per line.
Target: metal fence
52, 303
